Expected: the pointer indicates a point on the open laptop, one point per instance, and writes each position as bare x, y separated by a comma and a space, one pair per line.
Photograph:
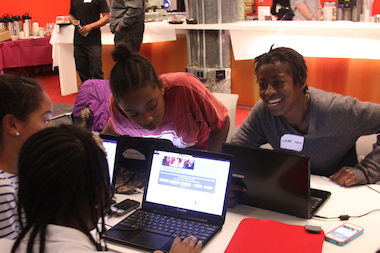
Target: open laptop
133, 157
132, 161
110, 146
186, 188
275, 180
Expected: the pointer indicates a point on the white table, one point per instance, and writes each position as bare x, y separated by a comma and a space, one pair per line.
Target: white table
63, 49
330, 39
353, 201
336, 39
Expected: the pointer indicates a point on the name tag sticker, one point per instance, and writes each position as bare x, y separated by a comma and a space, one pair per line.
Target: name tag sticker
87, 1
292, 142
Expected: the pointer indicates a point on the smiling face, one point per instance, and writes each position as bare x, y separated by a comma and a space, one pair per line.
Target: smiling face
277, 89
144, 106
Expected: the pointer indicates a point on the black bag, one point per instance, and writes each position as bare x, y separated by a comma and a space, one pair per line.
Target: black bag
281, 9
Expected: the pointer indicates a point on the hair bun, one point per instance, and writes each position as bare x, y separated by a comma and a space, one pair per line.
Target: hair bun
121, 51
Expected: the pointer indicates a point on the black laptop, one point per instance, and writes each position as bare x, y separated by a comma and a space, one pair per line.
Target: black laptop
275, 180
186, 194
132, 162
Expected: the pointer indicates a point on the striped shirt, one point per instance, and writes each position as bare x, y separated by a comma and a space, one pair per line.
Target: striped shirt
9, 225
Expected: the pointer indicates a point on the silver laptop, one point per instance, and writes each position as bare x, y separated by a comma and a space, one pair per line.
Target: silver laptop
185, 194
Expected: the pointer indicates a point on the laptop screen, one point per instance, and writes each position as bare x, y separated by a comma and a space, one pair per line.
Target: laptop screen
187, 181
110, 147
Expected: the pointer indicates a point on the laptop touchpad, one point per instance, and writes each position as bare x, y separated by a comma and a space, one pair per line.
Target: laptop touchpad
152, 240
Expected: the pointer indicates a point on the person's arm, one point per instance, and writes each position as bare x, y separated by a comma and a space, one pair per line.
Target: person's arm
101, 22
344, 177
304, 10
108, 130
319, 13
73, 20
134, 9
76, 22
364, 119
217, 138
366, 172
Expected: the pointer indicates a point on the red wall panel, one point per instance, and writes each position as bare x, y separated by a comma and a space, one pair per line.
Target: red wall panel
45, 11
41, 11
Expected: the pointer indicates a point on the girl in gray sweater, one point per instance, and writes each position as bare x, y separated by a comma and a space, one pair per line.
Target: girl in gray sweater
321, 125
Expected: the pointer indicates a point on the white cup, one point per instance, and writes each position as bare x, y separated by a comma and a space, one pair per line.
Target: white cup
41, 32
35, 29
327, 13
263, 12
26, 30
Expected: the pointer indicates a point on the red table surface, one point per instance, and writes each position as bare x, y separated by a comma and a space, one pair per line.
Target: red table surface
25, 53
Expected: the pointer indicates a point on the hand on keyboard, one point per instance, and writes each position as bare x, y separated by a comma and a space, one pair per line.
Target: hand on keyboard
188, 245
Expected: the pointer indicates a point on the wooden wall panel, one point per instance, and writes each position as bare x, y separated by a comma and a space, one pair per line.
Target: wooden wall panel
353, 77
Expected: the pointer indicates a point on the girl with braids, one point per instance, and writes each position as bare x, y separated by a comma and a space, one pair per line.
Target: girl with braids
321, 125
24, 110
174, 106
64, 191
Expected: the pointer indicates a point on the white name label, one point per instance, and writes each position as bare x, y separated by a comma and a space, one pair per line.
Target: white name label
292, 142
87, 1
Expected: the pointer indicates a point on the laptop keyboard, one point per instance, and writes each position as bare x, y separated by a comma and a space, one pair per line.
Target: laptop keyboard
169, 226
315, 202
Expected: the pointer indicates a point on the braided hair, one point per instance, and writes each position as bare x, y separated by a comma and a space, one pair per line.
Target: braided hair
131, 71
19, 96
62, 172
295, 61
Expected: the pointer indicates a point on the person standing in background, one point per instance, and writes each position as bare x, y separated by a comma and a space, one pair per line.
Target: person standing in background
85, 16
127, 22
306, 9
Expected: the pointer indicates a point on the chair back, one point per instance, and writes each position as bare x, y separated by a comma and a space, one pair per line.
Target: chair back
230, 101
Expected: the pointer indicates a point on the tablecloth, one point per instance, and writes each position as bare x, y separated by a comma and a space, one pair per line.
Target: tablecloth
25, 52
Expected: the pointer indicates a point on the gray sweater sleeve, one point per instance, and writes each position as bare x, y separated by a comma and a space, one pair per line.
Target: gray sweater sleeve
125, 13
368, 171
367, 121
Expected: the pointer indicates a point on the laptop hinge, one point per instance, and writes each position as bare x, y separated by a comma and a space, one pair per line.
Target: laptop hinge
180, 216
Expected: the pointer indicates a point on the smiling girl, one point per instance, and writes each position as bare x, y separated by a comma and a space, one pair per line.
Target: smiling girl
321, 125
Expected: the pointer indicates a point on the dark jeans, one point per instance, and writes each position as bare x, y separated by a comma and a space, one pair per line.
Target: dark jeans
133, 37
88, 61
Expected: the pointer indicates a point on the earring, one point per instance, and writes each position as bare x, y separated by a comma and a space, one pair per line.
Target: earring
17, 133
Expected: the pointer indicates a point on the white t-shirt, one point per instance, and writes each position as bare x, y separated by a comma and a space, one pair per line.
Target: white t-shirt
59, 239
